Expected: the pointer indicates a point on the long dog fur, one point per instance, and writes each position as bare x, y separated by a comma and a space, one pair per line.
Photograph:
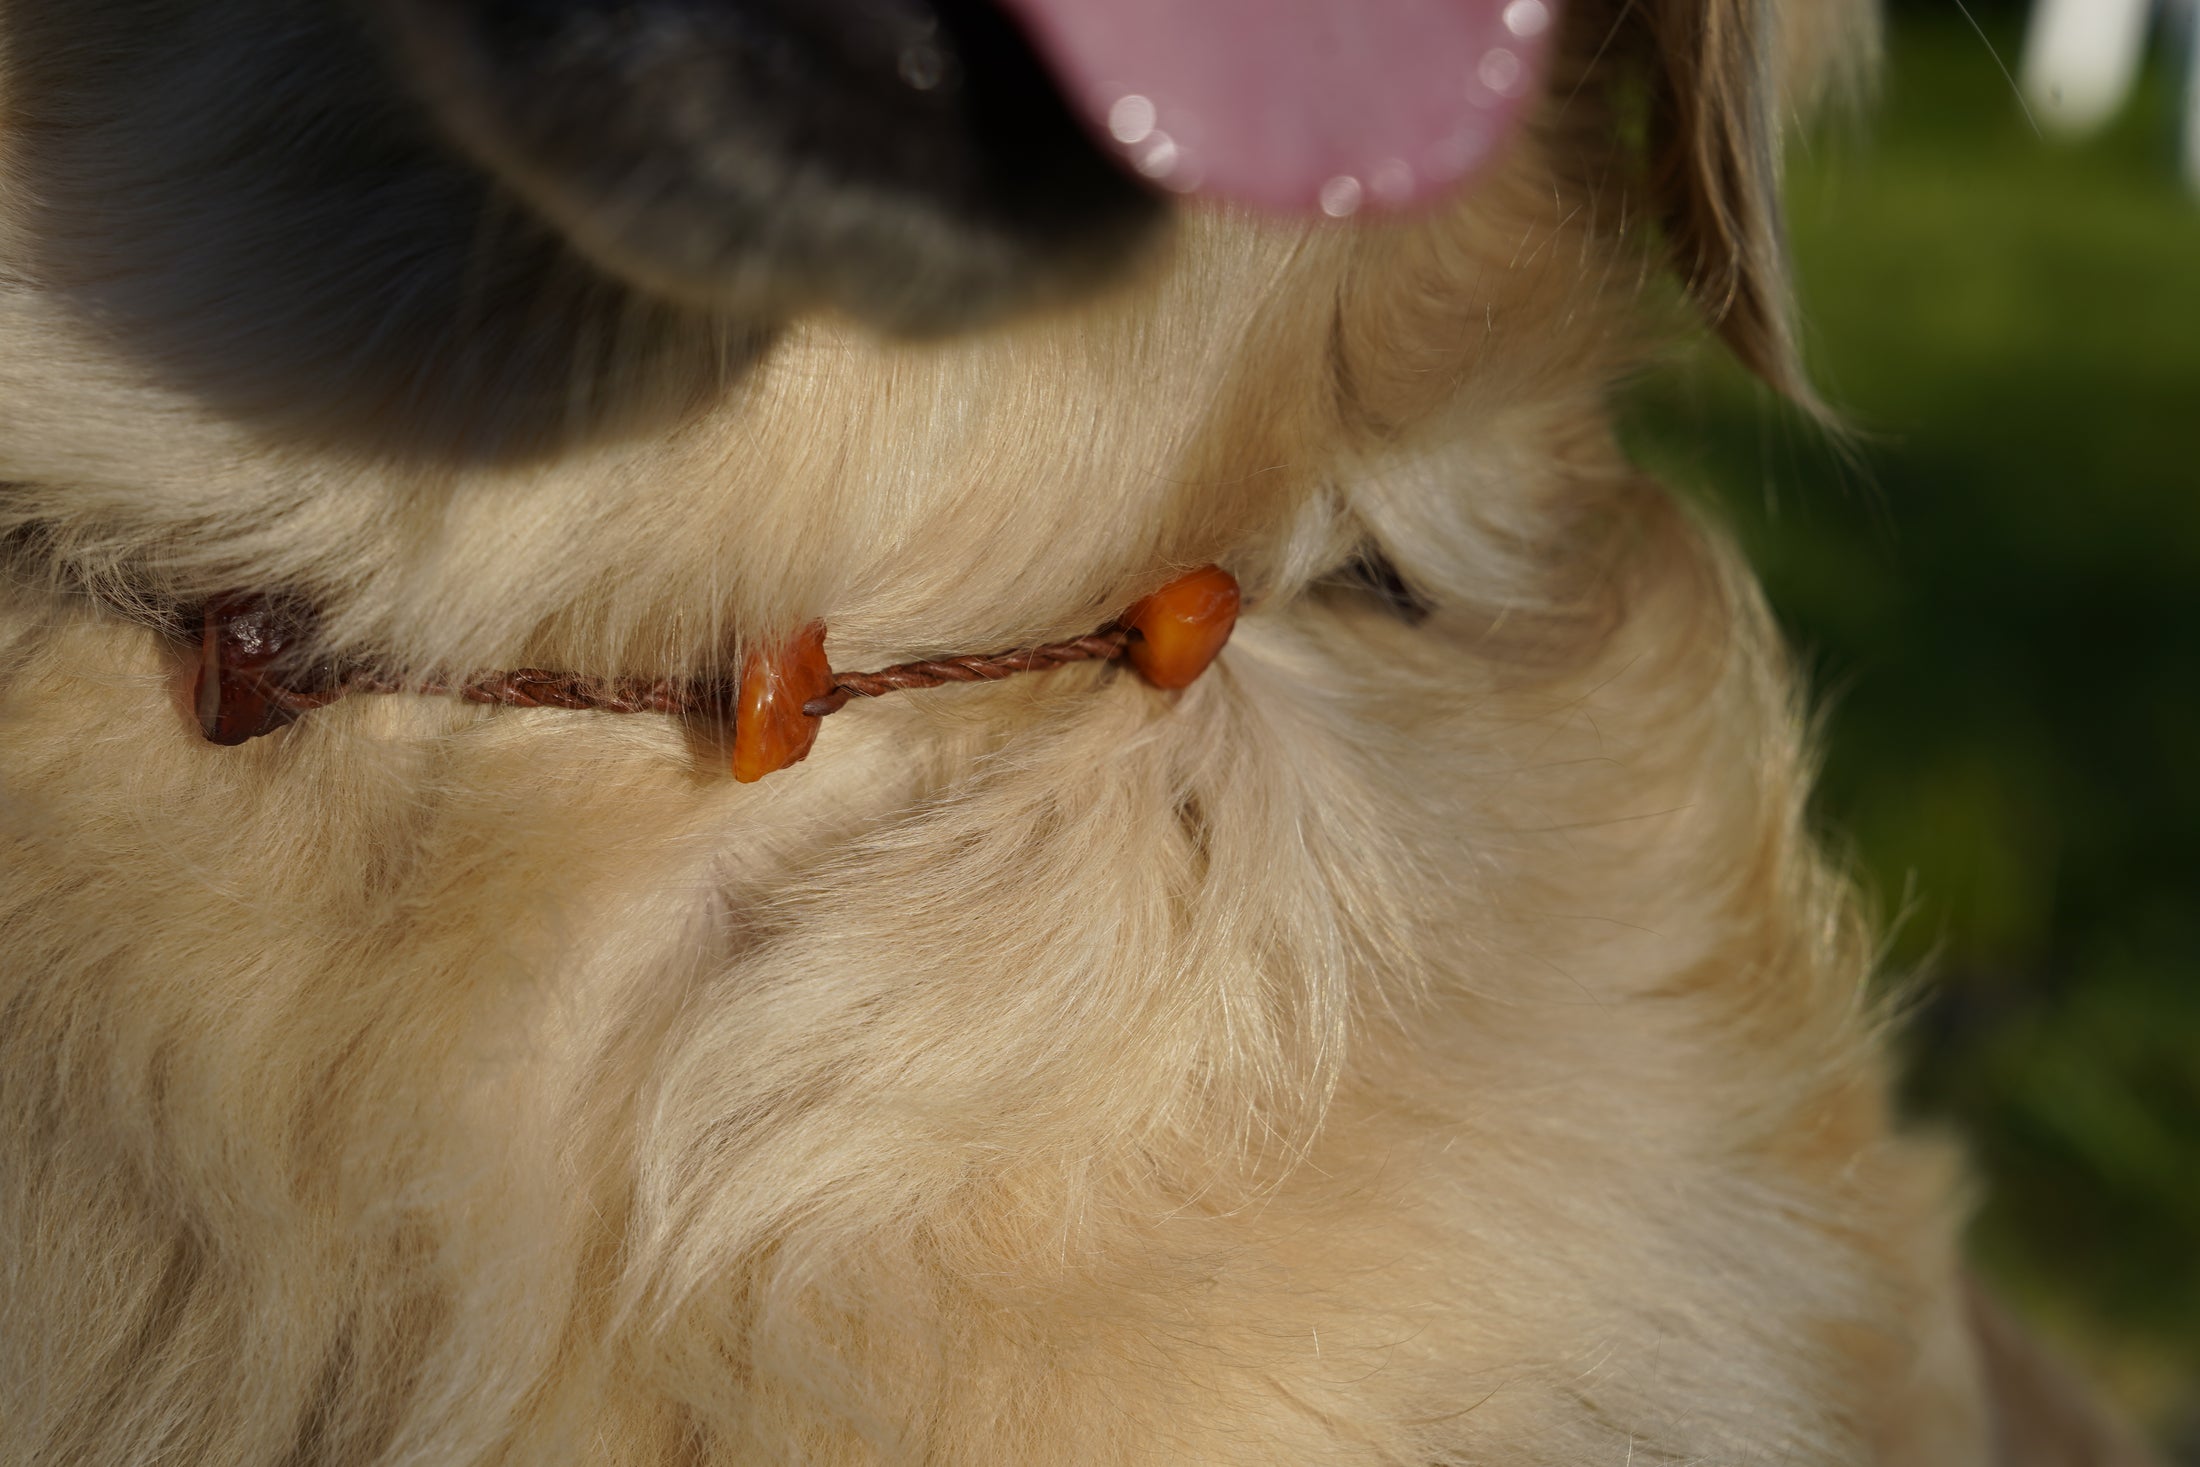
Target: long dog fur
1420, 1042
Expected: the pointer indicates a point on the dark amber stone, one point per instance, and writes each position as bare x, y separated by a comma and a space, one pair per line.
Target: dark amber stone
770, 730
240, 641
1179, 629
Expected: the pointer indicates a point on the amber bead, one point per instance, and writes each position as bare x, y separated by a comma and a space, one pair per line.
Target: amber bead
770, 730
1179, 629
240, 642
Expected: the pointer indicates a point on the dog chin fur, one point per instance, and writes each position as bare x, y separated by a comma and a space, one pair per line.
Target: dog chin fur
1414, 1043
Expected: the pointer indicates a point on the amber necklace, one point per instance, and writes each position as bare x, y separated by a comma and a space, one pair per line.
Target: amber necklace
244, 689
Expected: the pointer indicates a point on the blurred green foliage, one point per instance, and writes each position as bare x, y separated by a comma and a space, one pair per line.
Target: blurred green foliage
1995, 588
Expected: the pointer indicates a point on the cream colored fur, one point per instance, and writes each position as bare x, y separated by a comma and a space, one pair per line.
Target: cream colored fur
1413, 1044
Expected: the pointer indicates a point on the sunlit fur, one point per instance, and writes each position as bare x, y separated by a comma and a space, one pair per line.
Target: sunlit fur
1415, 1043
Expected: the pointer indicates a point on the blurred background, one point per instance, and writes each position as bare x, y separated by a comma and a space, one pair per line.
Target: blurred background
1995, 590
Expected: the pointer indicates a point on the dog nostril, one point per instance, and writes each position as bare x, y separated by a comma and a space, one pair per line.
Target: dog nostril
925, 67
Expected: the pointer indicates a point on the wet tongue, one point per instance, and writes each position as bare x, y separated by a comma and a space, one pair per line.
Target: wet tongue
1298, 105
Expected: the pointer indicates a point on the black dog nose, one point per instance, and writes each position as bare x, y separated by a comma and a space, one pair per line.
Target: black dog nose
905, 160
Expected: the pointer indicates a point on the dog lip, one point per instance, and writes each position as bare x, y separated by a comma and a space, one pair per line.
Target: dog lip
1300, 106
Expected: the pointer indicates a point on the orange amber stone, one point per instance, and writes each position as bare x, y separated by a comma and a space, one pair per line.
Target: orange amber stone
1181, 627
770, 730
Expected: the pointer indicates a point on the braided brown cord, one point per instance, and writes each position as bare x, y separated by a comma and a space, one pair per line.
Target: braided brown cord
902, 676
533, 688
525, 688
536, 688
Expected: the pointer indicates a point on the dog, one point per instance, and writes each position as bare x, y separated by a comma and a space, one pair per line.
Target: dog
1431, 1036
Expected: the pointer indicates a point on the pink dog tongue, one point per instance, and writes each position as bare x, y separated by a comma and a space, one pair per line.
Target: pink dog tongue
1298, 104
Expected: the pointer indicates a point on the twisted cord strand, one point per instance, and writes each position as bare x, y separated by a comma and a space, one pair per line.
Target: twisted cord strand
902, 676
524, 688
532, 687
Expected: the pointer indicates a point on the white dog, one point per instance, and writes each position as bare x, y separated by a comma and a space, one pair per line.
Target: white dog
1430, 1036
